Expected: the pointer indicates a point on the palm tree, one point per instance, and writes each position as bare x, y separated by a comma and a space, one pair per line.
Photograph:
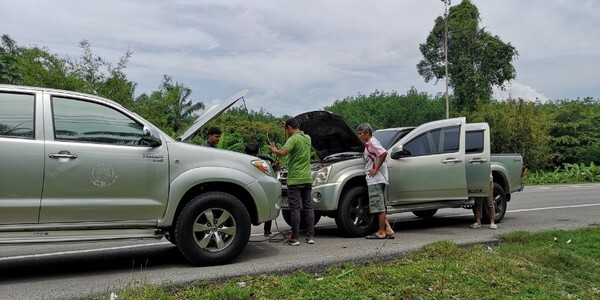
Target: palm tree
179, 111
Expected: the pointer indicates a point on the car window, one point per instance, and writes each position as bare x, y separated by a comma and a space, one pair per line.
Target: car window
436, 141
82, 121
474, 141
388, 138
17, 115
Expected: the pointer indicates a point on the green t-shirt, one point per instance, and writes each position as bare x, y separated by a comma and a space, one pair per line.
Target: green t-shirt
298, 149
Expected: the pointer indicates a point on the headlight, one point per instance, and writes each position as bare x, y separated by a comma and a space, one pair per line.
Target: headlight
321, 176
264, 166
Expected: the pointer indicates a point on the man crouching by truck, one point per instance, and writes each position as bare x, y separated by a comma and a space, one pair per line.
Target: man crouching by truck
377, 180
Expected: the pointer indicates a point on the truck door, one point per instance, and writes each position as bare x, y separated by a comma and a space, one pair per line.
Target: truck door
428, 164
97, 170
477, 156
21, 157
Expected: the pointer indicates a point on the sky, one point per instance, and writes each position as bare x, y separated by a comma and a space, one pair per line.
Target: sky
298, 56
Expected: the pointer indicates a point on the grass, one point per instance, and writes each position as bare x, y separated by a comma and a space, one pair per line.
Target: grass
548, 265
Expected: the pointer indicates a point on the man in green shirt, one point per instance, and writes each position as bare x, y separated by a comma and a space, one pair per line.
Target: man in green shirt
299, 180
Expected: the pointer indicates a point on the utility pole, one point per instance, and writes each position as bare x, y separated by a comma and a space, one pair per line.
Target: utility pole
446, 4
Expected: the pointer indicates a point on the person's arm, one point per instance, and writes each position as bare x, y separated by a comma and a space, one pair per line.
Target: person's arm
380, 161
278, 152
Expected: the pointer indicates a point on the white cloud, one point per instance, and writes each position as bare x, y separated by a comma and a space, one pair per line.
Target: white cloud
296, 56
516, 90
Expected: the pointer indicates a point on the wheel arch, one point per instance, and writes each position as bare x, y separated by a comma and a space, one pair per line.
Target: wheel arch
236, 190
500, 179
352, 182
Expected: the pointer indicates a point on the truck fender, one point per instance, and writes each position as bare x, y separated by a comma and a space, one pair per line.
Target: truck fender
195, 177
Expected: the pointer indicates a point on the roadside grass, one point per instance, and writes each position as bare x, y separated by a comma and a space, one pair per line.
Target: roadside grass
547, 265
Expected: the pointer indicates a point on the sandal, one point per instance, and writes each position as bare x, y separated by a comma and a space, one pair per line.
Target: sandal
475, 225
374, 236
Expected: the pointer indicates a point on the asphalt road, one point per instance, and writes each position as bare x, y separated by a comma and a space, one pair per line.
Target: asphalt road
72, 271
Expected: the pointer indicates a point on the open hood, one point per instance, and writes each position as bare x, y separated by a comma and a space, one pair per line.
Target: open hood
330, 133
211, 113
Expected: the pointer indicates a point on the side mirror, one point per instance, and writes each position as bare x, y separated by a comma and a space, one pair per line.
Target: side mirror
398, 152
150, 137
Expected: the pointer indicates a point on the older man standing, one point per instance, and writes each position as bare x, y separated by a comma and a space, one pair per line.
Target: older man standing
377, 180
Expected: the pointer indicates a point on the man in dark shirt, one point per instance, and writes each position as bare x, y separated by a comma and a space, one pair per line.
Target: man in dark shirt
214, 136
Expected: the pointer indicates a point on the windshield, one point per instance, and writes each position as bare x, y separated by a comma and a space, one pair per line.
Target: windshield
387, 138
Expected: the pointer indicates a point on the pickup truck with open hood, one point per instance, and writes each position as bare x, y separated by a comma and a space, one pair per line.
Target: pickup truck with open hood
440, 164
76, 167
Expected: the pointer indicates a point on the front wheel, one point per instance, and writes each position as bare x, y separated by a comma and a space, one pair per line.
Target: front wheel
353, 217
213, 228
499, 205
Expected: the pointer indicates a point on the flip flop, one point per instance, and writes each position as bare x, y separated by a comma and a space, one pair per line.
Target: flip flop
391, 236
374, 237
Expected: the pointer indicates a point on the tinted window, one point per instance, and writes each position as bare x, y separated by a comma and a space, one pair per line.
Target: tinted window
474, 141
81, 121
17, 115
442, 140
419, 145
451, 137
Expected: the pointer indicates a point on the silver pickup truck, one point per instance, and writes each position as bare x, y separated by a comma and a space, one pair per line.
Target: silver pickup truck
75, 167
440, 164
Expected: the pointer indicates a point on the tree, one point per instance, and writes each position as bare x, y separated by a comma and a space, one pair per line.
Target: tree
516, 126
9, 66
575, 137
477, 60
169, 107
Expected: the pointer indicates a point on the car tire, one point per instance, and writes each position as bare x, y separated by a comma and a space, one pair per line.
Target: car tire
213, 228
353, 216
428, 213
287, 217
499, 205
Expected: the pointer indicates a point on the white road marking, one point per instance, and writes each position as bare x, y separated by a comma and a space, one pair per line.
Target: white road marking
531, 209
553, 207
80, 251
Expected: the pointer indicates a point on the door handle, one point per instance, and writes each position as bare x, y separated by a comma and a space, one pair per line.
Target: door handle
62, 154
478, 161
451, 161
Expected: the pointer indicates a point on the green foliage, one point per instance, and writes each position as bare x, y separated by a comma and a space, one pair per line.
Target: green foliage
385, 110
568, 173
477, 60
575, 134
516, 126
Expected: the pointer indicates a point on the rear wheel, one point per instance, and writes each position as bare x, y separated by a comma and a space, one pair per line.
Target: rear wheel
428, 213
212, 228
353, 217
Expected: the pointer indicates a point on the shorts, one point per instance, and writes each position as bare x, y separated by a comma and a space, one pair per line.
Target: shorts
376, 198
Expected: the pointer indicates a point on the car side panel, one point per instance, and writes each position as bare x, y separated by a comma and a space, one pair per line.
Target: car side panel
428, 178
21, 162
103, 182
